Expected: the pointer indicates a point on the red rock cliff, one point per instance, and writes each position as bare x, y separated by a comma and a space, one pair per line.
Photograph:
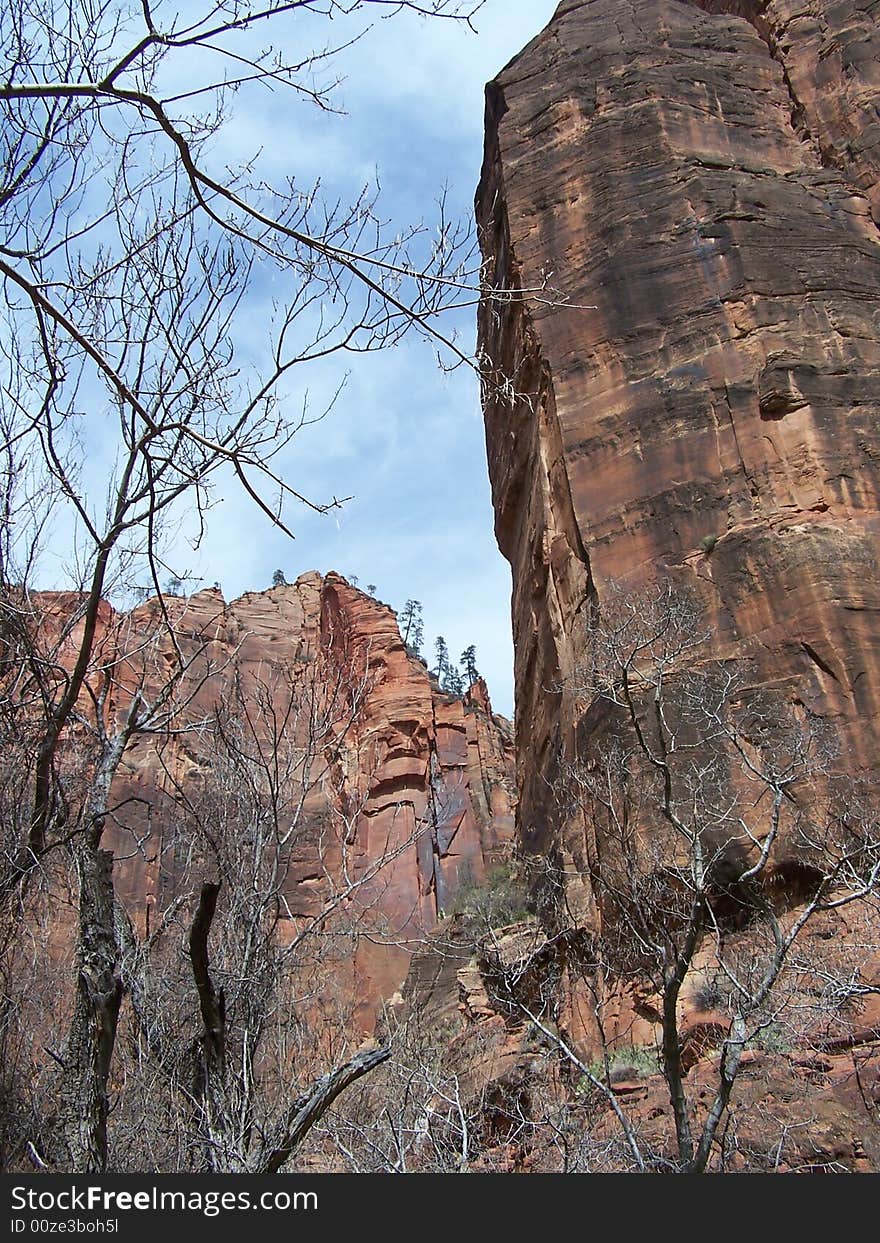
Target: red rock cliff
417, 796
700, 180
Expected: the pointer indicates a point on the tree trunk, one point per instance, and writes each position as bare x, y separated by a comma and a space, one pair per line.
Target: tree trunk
83, 1096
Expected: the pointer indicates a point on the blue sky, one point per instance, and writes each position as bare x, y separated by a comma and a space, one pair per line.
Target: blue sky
405, 440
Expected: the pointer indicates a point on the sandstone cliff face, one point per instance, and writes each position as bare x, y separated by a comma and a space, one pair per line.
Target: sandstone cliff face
686, 389
700, 180
382, 777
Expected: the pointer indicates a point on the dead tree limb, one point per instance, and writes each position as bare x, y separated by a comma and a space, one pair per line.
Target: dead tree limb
310, 1107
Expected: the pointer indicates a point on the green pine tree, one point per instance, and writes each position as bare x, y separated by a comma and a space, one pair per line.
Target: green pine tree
468, 662
412, 629
441, 657
452, 683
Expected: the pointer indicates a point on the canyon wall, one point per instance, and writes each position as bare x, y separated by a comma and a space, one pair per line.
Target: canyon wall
680, 201
377, 780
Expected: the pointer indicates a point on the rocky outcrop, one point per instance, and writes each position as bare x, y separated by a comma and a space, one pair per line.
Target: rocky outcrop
799, 1109
376, 777
686, 194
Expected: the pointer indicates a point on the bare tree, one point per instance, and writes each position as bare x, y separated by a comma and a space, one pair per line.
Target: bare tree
126, 253
422, 1113
732, 863
269, 889
217, 1058
115, 702
719, 826
125, 261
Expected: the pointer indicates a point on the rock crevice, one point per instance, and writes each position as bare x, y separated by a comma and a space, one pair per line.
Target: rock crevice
830, 64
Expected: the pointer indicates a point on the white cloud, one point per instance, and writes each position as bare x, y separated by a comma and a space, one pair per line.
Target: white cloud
405, 440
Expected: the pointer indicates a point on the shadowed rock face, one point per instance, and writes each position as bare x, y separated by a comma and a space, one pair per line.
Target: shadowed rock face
700, 180
412, 786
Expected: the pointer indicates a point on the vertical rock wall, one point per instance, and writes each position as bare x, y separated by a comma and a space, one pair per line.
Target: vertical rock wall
409, 792
700, 182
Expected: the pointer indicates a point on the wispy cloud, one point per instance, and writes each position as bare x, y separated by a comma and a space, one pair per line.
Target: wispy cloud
405, 440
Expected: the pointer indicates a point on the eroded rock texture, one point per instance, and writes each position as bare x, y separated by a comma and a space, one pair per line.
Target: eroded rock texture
798, 1110
700, 181
684, 385
376, 776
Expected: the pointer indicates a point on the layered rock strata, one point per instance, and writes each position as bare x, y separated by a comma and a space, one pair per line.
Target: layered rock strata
689, 383
381, 782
